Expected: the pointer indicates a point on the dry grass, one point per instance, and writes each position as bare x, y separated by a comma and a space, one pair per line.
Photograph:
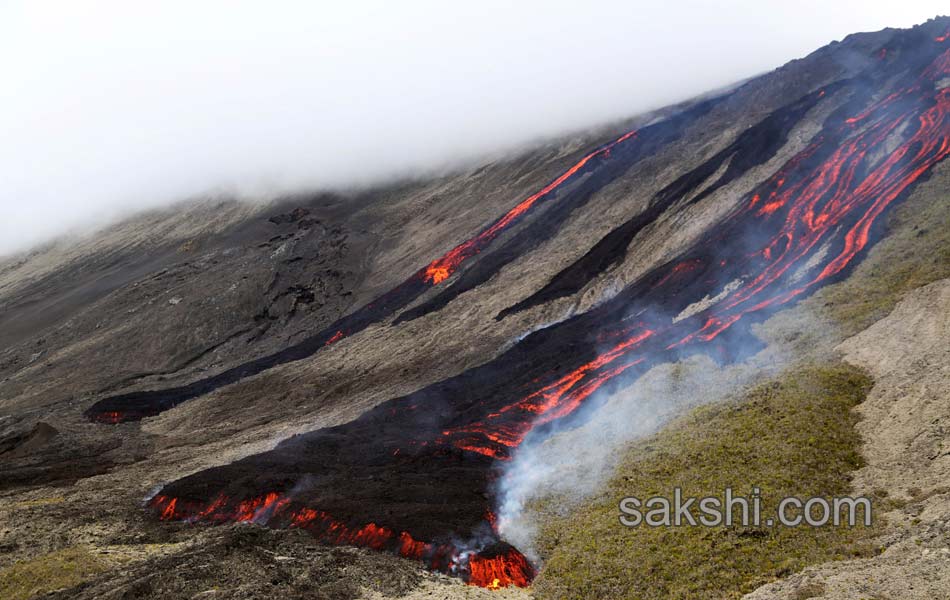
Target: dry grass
793, 436
57, 570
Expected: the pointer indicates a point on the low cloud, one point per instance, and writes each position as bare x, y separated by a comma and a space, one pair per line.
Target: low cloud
112, 107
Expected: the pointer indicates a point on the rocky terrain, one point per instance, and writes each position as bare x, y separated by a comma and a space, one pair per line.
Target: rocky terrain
351, 372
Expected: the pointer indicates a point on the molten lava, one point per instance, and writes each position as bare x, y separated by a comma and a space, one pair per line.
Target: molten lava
499, 565
442, 268
501, 569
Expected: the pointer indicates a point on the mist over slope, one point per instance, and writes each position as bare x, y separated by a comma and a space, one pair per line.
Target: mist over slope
119, 108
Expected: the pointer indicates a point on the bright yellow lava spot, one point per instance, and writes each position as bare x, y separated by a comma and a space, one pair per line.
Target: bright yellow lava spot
437, 274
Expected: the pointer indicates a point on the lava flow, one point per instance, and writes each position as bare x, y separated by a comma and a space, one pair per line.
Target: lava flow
416, 474
137, 405
442, 268
499, 565
828, 193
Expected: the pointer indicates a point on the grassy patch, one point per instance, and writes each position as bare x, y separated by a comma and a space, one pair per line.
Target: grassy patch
61, 569
40, 502
793, 436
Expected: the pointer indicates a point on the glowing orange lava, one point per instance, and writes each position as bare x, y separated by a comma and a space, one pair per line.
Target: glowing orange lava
442, 268
813, 205
509, 568
339, 335
501, 570
111, 417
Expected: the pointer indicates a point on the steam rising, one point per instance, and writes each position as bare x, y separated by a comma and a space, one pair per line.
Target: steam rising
113, 107
573, 464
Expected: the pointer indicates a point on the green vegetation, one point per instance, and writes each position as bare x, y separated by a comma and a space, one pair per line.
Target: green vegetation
61, 569
793, 436
40, 502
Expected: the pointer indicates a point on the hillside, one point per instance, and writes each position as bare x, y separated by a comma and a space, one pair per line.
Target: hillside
400, 390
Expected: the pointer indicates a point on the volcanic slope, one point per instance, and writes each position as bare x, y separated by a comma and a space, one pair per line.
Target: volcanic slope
404, 341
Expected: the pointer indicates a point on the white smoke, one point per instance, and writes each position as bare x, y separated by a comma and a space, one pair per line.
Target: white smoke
572, 464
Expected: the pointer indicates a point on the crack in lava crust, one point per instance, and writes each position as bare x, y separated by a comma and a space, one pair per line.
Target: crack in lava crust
415, 475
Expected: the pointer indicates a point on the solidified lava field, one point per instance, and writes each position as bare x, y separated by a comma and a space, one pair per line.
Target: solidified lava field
415, 474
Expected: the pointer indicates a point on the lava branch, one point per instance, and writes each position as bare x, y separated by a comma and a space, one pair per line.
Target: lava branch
492, 565
442, 268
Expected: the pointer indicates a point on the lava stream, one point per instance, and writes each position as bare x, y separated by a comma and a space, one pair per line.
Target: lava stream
498, 565
829, 200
